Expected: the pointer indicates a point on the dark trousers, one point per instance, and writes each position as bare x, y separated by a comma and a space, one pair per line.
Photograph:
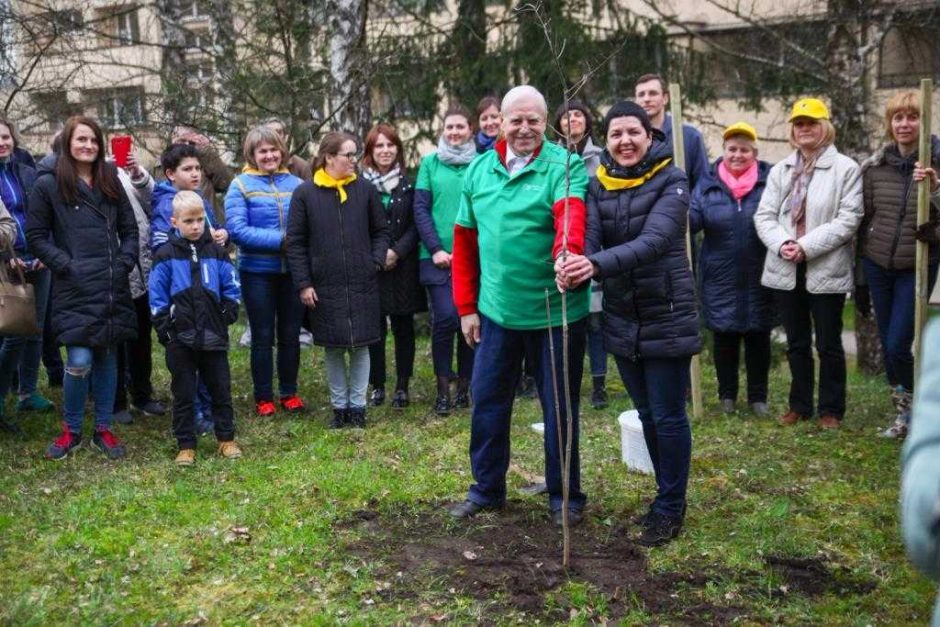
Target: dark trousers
892, 297
596, 353
803, 314
134, 361
272, 306
403, 330
51, 352
496, 369
445, 328
756, 363
658, 389
188, 366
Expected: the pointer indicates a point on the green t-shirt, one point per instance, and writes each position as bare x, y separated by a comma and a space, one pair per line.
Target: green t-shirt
515, 232
444, 181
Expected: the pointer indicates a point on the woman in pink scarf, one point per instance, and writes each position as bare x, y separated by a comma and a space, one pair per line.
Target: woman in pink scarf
737, 308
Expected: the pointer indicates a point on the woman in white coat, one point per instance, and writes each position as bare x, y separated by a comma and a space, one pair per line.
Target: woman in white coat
807, 218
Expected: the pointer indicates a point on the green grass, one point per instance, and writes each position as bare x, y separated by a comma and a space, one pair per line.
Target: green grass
140, 541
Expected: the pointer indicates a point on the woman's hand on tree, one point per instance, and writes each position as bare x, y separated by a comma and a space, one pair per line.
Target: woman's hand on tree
926, 173
572, 270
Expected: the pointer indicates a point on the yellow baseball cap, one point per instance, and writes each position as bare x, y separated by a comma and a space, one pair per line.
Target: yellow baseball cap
740, 128
809, 108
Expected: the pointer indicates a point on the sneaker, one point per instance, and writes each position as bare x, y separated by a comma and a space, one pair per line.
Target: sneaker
292, 404
229, 450
761, 410
599, 398
728, 406
150, 407
399, 399
107, 443
791, 418
245, 340
575, 517
186, 457
898, 430
660, 529
265, 408
340, 418
357, 417
378, 397
64, 444
526, 388
442, 406
829, 422
34, 402
902, 399
306, 338
123, 417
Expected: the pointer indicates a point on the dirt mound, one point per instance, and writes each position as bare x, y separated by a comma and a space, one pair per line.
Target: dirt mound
512, 561
811, 576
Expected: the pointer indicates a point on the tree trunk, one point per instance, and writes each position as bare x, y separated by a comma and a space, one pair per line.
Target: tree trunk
350, 102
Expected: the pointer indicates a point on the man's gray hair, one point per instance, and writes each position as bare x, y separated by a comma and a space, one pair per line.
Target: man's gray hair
523, 92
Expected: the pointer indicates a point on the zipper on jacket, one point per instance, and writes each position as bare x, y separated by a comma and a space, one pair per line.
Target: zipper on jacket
342, 237
900, 223
280, 217
195, 279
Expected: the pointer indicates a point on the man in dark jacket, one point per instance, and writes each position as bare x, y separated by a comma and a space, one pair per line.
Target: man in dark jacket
194, 295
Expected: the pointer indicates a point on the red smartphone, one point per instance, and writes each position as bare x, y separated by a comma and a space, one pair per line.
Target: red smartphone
120, 148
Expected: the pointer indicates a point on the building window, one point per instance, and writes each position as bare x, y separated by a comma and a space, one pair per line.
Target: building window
118, 26
908, 54
194, 9
52, 108
198, 38
118, 108
54, 24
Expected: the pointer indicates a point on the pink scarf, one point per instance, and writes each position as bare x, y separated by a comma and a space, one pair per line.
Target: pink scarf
741, 185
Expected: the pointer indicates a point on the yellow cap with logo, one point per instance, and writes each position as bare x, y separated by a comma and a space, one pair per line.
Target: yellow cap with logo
740, 128
809, 108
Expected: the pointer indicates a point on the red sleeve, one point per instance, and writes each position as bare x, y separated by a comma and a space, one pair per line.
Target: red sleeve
577, 225
465, 270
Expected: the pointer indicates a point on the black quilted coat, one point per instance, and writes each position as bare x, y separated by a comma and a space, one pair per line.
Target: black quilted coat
91, 247
399, 289
338, 249
636, 238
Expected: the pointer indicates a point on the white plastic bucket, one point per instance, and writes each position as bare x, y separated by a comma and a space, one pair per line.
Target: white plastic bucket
632, 445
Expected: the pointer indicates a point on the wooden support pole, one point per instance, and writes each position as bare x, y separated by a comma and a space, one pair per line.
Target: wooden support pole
923, 215
678, 152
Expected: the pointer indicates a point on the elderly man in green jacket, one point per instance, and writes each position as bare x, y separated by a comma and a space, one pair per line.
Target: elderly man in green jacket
521, 208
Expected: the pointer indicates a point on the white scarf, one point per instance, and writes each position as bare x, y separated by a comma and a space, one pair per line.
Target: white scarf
385, 183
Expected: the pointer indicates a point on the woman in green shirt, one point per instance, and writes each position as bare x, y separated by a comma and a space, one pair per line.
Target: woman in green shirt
437, 198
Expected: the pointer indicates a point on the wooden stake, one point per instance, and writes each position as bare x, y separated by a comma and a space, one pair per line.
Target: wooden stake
678, 151
923, 215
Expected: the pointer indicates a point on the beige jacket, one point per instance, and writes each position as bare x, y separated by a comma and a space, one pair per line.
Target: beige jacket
833, 214
7, 228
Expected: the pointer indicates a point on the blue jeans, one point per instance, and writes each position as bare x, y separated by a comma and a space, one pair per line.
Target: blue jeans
658, 389
101, 364
496, 370
892, 298
272, 305
347, 387
22, 354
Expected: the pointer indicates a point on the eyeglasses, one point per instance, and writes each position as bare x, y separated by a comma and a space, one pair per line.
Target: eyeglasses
352, 156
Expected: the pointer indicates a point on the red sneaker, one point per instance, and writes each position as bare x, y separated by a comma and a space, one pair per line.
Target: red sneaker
292, 404
265, 408
107, 443
64, 444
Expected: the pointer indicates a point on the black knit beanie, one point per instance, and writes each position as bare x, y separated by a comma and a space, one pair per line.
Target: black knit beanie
628, 108
579, 106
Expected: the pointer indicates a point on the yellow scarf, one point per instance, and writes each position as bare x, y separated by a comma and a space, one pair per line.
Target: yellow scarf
323, 179
611, 183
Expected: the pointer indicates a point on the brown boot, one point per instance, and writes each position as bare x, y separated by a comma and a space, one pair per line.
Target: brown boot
791, 418
829, 421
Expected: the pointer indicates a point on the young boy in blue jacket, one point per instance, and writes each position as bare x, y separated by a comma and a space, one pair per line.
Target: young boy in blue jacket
194, 296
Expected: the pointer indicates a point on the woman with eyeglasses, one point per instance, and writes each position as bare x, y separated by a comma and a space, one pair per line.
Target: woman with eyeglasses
256, 209
337, 243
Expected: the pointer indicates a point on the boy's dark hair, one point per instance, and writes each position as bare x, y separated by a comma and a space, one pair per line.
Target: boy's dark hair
174, 155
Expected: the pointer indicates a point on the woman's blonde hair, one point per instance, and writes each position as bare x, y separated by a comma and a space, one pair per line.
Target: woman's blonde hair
829, 135
262, 135
905, 101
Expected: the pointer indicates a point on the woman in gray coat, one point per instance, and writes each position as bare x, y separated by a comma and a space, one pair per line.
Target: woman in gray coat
808, 215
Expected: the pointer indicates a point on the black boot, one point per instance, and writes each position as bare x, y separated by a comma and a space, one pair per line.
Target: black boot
357, 417
339, 419
378, 397
462, 398
400, 398
442, 402
599, 395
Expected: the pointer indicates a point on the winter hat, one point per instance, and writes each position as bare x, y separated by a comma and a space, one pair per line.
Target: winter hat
628, 108
578, 106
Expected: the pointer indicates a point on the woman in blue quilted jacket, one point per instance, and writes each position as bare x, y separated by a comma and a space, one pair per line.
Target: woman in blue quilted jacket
256, 210
737, 308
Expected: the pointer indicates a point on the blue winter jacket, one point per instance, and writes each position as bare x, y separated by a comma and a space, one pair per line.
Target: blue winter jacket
16, 181
696, 155
161, 206
194, 293
256, 210
731, 256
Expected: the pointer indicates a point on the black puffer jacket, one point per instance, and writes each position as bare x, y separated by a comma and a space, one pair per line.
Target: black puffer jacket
399, 289
91, 251
338, 249
636, 238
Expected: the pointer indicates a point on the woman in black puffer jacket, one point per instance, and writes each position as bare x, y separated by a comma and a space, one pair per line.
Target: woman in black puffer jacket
337, 241
82, 227
637, 212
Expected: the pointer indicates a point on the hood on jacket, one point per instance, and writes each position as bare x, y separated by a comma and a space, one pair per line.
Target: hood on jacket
161, 191
47, 164
178, 240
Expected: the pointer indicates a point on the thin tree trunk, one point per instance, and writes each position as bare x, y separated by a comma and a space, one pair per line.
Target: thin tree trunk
350, 103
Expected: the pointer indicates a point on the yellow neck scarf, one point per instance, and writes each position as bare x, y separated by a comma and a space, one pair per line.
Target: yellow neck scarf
611, 183
323, 179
